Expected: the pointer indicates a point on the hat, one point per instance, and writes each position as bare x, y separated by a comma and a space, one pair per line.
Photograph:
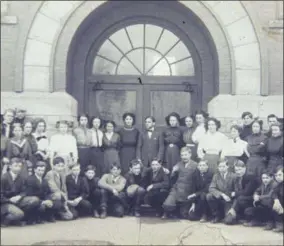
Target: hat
172, 114
131, 190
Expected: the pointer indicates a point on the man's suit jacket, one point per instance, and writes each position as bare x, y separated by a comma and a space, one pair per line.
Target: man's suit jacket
56, 187
4, 129
220, 185
75, 190
249, 185
150, 148
35, 188
159, 181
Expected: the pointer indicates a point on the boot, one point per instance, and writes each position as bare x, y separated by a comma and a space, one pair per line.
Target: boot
252, 223
165, 216
96, 214
278, 227
103, 214
204, 218
216, 220
137, 214
269, 226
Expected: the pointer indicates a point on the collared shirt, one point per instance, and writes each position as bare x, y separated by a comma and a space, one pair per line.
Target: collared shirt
14, 176
83, 136
97, 137
7, 129
198, 133
75, 179
39, 178
42, 141
234, 147
150, 132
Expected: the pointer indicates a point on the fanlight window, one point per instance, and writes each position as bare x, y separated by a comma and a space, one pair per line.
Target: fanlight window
143, 49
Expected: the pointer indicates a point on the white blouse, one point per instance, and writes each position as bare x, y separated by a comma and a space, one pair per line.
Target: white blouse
96, 138
198, 133
234, 147
64, 145
211, 143
42, 143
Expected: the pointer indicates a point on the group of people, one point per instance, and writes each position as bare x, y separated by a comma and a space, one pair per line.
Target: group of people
190, 169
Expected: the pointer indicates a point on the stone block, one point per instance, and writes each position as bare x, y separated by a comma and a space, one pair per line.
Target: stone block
9, 20
36, 78
37, 53
44, 29
248, 82
229, 11
243, 55
212, 3
241, 32
4, 7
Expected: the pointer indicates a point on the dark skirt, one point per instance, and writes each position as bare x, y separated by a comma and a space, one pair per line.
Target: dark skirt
172, 156
213, 161
273, 163
97, 160
127, 154
84, 158
255, 165
110, 156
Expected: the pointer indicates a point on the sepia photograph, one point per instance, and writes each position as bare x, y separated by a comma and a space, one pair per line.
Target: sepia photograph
141, 122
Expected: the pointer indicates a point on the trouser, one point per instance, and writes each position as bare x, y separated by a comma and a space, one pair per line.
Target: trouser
201, 207
29, 204
96, 199
97, 160
136, 199
218, 206
241, 203
11, 213
46, 213
259, 213
63, 211
116, 205
155, 198
83, 208
278, 218
84, 158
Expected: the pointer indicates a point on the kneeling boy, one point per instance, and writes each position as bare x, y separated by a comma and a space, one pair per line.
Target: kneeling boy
278, 201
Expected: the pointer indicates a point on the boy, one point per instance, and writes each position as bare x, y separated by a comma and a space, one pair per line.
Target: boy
202, 178
38, 187
244, 187
261, 211
157, 183
135, 186
183, 186
95, 192
219, 197
56, 181
77, 193
278, 201
112, 185
14, 201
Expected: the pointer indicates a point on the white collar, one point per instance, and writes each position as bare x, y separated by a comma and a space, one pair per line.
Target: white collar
39, 178
14, 176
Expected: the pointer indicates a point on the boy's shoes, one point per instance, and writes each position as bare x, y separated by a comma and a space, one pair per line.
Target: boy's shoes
40, 221
278, 228
137, 214
203, 219
252, 223
216, 220
96, 214
165, 216
269, 226
103, 214
51, 219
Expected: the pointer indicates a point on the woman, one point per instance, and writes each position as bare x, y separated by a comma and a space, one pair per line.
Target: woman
97, 155
111, 146
247, 118
28, 129
199, 131
187, 136
129, 136
172, 140
63, 144
274, 148
256, 150
212, 143
234, 148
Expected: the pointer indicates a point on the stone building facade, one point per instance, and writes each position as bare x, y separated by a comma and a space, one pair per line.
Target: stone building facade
58, 58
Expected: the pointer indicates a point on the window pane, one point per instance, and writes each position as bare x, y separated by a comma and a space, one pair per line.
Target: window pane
161, 69
167, 41
125, 67
136, 56
151, 57
111, 105
179, 52
183, 68
109, 51
121, 40
152, 35
136, 33
103, 66
161, 106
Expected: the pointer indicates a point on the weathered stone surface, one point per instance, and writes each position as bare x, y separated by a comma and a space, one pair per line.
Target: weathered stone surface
243, 55
248, 82
36, 78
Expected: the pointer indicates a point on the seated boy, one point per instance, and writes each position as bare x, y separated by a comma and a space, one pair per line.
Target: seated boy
219, 197
56, 180
183, 186
157, 182
278, 201
38, 187
113, 197
244, 187
95, 192
202, 178
15, 204
77, 193
135, 186
261, 211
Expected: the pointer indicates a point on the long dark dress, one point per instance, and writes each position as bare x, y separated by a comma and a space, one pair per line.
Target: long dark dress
246, 131
129, 144
187, 139
111, 151
274, 152
256, 149
173, 142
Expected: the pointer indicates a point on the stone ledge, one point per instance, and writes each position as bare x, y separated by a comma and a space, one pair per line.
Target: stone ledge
9, 20
276, 24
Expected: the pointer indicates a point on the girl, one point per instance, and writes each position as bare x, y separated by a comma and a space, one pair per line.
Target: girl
211, 144
199, 131
172, 140
129, 136
111, 145
187, 136
28, 129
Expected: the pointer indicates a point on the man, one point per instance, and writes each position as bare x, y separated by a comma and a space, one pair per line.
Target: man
271, 119
247, 118
56, 180
8, 118
150, 143
20, 116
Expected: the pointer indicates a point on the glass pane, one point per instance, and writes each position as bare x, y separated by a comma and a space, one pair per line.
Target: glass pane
121, 40
125, 67
183, 68
112, 105
161, 69
152, 35
103, 66
179, 52
136, 34
109, 51
161, 106
166, 42
136, 56
151, 57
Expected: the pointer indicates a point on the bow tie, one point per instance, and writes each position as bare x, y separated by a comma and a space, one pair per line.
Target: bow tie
150, 130
41, 137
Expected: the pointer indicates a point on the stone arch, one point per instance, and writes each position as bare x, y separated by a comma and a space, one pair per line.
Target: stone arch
233, 33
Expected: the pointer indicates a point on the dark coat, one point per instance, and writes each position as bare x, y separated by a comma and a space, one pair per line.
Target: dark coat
246, 131
150, 148
92, 185
75, 190
220, 185
35, 188
201, 183
135, 179
249, 185
4, 129
278, 193
266, 193
159, 181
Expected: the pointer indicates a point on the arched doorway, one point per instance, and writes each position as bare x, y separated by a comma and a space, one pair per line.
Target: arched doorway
147, 59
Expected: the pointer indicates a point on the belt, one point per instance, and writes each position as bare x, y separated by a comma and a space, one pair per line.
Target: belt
212, 152
83, 147
190, 145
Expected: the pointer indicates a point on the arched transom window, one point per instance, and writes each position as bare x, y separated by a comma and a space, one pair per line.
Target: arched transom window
143, 49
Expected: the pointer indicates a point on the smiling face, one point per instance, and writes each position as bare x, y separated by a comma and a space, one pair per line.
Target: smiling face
40, 127
8, 117
128, 121
136, 169
59, 167
199, 118
234, 133
115, 171
109, 127
272, 120
212, 126
275, 131
185, 156
155, 165
39, 171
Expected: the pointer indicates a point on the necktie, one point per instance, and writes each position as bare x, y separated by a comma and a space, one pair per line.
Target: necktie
7, 133
97, 137
60, 179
